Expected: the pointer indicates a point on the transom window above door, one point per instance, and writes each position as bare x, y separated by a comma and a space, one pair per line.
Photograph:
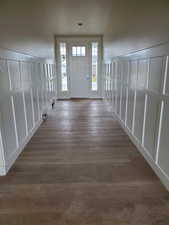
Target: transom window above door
78, 51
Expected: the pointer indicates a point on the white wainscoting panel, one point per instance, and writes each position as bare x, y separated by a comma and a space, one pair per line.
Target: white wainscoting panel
27, 86
139, 99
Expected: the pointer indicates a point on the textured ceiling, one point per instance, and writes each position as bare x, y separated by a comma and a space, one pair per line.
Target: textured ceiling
29, 26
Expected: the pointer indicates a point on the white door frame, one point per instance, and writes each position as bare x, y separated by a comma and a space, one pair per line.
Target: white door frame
70, 40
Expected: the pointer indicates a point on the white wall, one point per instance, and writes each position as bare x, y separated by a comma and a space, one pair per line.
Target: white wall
136, 25
137, 90
26, 88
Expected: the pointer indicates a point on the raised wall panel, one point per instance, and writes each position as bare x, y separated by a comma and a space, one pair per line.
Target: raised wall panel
142, 74
114, 87
16, 86
163, 159
113, 101
118, 98
1, 146
35, 104
46, 75
156, 74
20, 116
44, 92
130, 108
25, 78
8, 127
6, 110
139, 112
123, 103
41, 100
167, 78
133, 74
29, 110
35, 80
15, 75
4, 80
125, 72
151, 124
141, 83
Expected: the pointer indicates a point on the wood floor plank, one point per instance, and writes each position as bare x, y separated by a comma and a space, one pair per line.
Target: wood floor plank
80, 168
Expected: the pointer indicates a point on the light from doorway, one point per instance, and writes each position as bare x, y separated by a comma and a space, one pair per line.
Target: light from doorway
63, 63
94, 66
78, 51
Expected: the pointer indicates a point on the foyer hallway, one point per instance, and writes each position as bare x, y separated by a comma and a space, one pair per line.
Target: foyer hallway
80, 168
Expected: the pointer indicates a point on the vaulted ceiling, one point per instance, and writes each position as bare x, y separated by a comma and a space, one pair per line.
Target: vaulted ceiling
29, 26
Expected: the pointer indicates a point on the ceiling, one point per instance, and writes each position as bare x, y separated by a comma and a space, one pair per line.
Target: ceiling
29, 26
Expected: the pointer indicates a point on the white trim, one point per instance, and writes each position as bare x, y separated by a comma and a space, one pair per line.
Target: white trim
121, 89
145, 103
14, 119
148, 74
37, 92
134, 111
127, 91
144, 119
126, 113
24, 107
161, 110
2, 152
159, 131
9, 75
33, 110
165, 75
135, 95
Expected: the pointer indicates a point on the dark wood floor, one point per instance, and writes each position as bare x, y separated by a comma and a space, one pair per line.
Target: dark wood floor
80, 168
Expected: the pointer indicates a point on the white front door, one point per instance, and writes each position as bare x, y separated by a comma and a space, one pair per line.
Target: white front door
79, 67
79, 72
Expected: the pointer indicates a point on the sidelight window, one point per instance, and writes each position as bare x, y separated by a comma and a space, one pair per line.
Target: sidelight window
63, 64
94, 66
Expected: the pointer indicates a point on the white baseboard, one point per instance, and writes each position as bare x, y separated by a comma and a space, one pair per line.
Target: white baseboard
156, 168
10, 161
